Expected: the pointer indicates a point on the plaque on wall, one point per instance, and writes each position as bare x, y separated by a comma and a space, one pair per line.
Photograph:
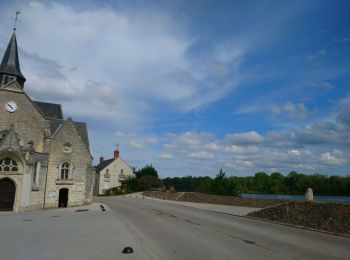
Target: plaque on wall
52, 194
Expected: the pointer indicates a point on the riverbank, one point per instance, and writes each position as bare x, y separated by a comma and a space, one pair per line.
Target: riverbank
289, 197
330, 217
212, 199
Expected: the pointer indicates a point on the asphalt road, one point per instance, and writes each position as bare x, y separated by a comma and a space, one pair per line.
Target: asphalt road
67, 234
178, 232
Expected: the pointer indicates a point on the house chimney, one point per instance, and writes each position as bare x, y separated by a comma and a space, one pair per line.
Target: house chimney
116, 154
102, 158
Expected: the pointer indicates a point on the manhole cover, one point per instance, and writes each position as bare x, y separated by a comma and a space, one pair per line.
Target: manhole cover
55, 216
27, 220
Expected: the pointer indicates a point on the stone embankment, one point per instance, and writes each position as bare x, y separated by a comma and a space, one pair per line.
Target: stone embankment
212, 199
329, 217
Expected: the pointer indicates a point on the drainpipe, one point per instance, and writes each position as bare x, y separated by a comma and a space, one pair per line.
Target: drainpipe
47, 172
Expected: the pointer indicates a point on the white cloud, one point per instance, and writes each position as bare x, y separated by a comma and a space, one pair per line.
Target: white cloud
235, 149
321, 85
239, 164
82, 59
251, 137
166, 156
294, 153
212, 146
119, 134
190, 139
333, 158
136, 144
201, 155
151, 140
296, 111
312, 57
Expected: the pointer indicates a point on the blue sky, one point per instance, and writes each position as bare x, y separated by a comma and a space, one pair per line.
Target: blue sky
193, 86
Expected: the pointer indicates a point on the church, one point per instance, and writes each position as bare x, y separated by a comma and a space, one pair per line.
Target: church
45, 160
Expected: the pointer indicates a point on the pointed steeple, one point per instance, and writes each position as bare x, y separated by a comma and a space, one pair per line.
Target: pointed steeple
9, 68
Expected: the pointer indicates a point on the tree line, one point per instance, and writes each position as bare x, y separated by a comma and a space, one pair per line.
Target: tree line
275, 183
261, 182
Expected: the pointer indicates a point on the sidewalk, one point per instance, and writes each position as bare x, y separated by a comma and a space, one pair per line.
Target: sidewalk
232, 210
67, 234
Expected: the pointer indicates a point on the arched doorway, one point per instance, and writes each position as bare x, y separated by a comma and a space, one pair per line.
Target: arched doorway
7, 194
63, 198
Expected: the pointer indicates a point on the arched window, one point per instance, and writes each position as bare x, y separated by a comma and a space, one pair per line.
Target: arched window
65, 170
8, 165
36, 172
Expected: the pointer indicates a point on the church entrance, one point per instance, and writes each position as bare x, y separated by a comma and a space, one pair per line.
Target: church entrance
7, 194
63, 198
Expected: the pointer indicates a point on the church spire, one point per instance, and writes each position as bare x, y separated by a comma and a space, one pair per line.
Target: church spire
9, 68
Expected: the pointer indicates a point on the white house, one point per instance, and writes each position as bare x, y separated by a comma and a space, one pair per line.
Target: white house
110, 173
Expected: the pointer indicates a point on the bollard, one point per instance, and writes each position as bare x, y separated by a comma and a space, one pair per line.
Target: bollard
128, 250
309, 195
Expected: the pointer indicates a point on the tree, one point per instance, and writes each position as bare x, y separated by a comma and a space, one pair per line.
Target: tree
261, 180
219, 183
147, 170
204, 185
276, 182
130, 184
147, 182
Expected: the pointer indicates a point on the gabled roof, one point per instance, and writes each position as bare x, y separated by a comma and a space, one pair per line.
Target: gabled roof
80, 126
103, 165
10, 61
10, 141
50, 110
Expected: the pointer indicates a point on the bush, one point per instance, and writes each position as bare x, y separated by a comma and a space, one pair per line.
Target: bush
115, 192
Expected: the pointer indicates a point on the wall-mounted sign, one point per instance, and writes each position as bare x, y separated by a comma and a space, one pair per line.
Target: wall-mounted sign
52, 194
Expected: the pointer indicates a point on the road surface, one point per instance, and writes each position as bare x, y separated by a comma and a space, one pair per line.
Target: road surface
77, 233
178, 232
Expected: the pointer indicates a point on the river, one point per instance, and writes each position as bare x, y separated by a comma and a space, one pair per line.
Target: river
297, 197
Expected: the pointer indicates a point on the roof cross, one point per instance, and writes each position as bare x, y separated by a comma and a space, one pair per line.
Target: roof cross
16, 20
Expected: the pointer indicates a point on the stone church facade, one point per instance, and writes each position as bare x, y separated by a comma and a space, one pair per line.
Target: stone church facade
45, 160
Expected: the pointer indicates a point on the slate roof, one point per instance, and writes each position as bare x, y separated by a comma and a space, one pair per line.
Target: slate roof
82, 130
103, 165
10, 61
50, 110
80, 126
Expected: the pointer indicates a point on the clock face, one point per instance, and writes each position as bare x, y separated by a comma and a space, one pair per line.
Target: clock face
11, 106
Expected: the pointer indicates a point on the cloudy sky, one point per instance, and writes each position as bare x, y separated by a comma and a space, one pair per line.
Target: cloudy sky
193, 86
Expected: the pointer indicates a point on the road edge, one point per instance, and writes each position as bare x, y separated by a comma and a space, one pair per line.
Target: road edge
257, 219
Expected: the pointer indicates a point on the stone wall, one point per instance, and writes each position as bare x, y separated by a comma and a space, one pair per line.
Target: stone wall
79, 183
